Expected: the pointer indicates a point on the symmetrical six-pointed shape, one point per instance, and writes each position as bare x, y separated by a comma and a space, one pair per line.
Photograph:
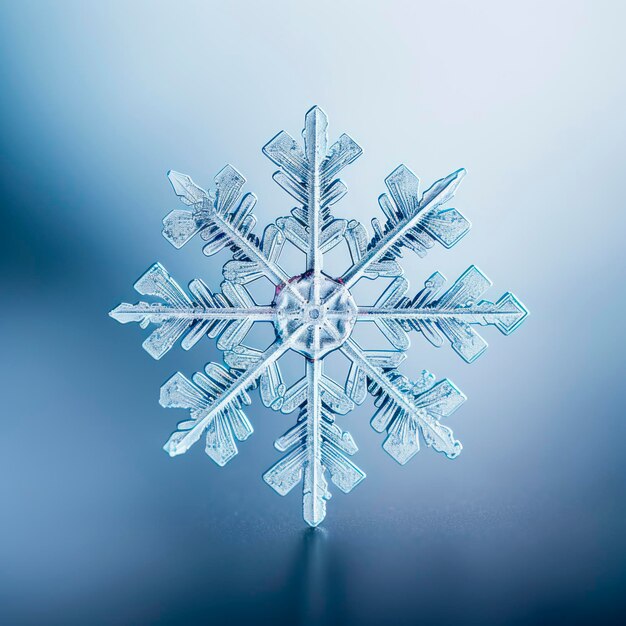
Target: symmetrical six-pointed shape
314, 314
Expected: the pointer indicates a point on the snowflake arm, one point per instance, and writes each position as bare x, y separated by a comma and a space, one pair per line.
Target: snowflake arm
222, 222
316, 444
309, 176
448, 316
215, 402
215, 399
228, 315
404, 407
316, 145
412, 221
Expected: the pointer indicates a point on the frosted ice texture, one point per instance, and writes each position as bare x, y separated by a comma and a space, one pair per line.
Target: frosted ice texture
314, 314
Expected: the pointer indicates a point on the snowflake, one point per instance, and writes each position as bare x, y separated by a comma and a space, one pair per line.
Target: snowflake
314, 314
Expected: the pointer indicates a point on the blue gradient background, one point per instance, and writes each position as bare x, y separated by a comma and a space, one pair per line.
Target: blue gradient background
98, 524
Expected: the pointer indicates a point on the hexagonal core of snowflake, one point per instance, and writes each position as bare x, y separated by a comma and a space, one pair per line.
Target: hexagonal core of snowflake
329, 323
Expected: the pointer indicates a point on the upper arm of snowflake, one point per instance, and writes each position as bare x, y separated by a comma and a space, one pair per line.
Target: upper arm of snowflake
314, 314
308, 175
224, 218
414, 220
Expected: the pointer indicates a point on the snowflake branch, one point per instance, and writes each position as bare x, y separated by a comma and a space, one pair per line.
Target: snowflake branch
154, 313
315, 140
315, 486
228, 315
316, 444
402, 408
448, 316
223, 395
412, 221
308, 176
223, 222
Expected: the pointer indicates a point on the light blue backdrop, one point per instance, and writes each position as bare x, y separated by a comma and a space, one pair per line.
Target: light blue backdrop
99, 100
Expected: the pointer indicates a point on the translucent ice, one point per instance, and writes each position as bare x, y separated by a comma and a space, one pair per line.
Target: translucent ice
314, 314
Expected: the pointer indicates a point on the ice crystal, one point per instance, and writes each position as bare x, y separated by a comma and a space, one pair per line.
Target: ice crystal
314, 314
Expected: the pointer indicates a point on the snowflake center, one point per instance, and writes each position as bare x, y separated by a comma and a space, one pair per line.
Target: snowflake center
329, 315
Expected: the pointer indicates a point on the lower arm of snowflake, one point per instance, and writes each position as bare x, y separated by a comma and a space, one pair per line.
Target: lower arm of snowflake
314, 314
